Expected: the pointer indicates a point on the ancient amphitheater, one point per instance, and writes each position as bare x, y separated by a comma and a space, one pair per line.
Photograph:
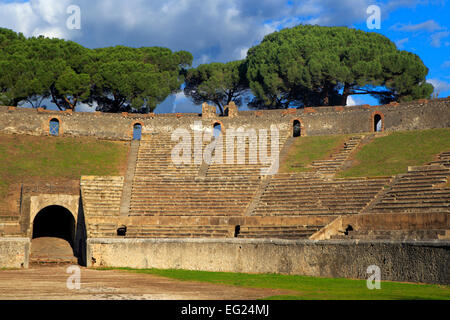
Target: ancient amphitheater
235, 217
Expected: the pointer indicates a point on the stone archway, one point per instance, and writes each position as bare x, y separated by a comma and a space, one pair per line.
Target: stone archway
377, 122
137, 131
40, 202
53, 227
296, 128
54, 222
217, 129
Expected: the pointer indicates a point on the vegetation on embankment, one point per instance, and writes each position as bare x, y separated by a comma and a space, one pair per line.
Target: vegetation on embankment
305, 150
29, 158
392, 154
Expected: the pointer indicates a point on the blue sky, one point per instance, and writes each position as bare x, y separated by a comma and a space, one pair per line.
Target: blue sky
223, 30
425, 31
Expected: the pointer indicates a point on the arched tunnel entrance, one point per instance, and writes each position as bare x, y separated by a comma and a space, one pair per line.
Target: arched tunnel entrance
53, 236
54, 222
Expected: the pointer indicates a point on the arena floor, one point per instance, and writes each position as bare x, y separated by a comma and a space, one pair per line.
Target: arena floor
50, 283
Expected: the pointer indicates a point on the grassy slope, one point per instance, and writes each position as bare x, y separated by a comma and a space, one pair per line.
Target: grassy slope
310, 288
392, 154
307, 149
27, 158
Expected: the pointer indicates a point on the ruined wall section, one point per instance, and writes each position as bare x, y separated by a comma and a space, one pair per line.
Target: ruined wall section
14, 252
416, 115
411, 261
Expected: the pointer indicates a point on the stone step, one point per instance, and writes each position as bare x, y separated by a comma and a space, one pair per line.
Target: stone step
188, 203
178, 235
379, 206
9, 218
409, 210
415, 192
188, 208
182, 214
303, 209
275, 236
317, 194
414, 200
330, 189
299, 213
393, 235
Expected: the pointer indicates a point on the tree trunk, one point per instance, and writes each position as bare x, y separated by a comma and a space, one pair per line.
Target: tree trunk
345, 94
16, 101
326, 94
220, 109
71, 105
54, 100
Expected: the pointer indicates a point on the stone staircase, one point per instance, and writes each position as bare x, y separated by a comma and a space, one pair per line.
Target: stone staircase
129, 177
293, 194
337, 160
422, 189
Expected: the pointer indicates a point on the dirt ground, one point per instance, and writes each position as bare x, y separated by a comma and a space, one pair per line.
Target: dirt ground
50, 283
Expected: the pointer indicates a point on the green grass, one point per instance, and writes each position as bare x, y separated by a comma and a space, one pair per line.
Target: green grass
308, 288
27, 158
305, 150
392, 154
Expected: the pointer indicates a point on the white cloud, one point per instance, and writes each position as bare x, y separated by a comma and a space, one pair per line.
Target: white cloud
241, 53
437, 37
36, 17
18, 16
439, 85
400, 43
331, 12
213, 30
51, 11
49, 32
350, 101
446, 64
179, 98
437, 32
81, 107
354, 101
429, 26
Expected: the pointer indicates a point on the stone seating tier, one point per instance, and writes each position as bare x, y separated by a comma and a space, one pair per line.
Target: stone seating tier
420, 190
287, 195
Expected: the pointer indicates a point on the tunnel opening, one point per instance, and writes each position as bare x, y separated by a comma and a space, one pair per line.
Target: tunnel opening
348, 229
237, 230
54, 222
122, 231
